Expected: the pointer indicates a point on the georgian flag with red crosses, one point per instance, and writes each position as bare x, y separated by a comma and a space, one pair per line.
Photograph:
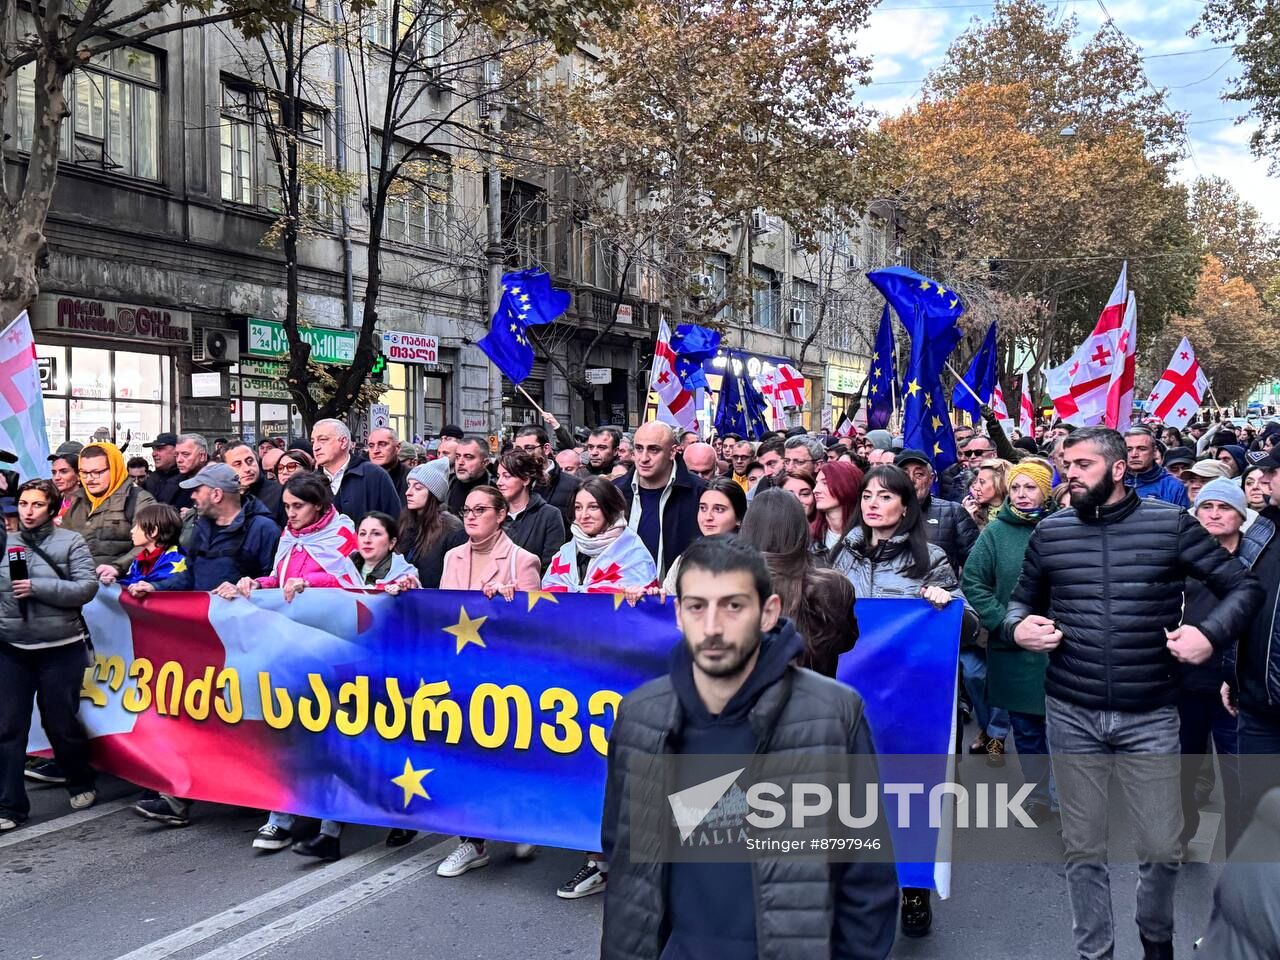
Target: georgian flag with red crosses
1180, 389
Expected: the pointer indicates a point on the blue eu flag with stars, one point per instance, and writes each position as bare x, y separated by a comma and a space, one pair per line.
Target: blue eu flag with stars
981, 378
741, 408
880, 385
693, 346
930, 313
528, 300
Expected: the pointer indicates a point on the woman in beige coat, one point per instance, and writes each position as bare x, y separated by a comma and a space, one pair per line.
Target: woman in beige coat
489, 560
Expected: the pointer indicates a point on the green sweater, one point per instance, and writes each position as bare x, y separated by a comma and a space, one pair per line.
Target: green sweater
1015, 677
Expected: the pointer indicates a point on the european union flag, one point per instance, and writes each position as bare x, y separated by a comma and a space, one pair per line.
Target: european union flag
693, 346
981, 378
910, 293
741, 409
528, 300
929, 312
880, 386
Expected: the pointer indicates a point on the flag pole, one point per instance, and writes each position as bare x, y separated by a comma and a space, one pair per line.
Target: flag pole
964, 384
531, 400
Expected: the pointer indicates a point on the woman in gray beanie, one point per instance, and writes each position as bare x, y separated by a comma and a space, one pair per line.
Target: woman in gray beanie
426, 531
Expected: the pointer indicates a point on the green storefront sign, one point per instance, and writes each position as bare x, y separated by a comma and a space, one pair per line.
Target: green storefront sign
267, 339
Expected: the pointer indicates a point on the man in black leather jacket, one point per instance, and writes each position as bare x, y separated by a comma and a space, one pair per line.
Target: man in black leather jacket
734, 690
1101, 592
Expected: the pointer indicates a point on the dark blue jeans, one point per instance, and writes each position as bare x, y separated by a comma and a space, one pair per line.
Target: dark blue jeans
1258, 738
1032, 740
1201, 715
51, 679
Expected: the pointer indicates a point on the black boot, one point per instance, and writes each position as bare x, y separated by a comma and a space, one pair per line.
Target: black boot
917, 912
320, 847
1156, 949
398, 837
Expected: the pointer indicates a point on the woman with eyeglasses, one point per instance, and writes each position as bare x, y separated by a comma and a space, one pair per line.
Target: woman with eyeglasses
292, 463
491, 562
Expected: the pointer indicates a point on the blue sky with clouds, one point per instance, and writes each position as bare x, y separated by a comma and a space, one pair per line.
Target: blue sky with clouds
909, 37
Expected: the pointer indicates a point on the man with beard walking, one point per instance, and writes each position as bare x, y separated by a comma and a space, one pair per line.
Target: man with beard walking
1101, 592
734, 689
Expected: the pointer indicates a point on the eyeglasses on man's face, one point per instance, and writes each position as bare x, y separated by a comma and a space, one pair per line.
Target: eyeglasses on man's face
796, 461
94, 474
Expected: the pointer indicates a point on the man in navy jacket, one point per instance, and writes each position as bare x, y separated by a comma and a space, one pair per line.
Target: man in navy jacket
359, 486
662, 496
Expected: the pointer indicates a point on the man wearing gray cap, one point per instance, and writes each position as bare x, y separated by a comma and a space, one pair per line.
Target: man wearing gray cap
1221, 509
232, 539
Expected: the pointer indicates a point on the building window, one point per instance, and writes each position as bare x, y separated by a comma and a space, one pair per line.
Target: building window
114, 102
766, 299
804, 304
524, 224
597, 261
717, 266
251, 172
423, 24
417, 208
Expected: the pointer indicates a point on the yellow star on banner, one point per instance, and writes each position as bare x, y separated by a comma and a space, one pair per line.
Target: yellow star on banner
739, 407
875, 389
928, 403
514, 290
524, 298
940, 291
514, 328
618, 600
467, 630
875, 358
924, 285
411, 782
913, 388
937, 449
505, 288
536, 595
954, 303
179, 565
937, 423
876, 374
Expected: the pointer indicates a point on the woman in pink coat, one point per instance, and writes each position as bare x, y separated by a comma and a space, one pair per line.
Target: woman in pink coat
317, 544
489, 560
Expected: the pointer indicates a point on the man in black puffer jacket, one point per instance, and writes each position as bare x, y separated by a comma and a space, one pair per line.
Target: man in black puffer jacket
733, 690
1101, 592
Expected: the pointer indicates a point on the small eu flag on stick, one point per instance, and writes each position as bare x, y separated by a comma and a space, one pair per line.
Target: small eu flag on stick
528, 300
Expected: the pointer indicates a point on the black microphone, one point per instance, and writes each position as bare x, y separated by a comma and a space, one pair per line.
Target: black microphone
18, 571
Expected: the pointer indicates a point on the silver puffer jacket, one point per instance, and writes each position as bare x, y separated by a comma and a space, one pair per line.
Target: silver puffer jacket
881, 571
53, 609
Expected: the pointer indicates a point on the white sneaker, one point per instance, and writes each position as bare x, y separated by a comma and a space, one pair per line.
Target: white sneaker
467, 857
83, 801
6, 824
525, 851
590, 879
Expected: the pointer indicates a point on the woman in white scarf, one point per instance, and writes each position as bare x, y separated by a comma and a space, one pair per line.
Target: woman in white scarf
602, 556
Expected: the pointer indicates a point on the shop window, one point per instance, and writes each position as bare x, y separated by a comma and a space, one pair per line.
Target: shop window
114, 104
102, 394
433, 405
399, 399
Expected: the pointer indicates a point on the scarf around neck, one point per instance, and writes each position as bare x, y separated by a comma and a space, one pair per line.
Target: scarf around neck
594, 546
330, 542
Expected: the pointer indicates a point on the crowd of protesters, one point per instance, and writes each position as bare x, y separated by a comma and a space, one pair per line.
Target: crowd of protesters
1119, 592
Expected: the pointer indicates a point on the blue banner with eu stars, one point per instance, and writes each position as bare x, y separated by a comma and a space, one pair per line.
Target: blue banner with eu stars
439, 710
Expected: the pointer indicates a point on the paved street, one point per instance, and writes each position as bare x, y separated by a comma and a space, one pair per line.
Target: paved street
107, 885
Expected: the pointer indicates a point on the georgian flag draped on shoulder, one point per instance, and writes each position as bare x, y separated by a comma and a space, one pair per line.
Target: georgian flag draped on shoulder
675, 401
1181, 389
331, 546
1080, 387
624, 563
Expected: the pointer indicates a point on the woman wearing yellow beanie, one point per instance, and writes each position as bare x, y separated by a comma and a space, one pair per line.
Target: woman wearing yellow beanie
1015, 677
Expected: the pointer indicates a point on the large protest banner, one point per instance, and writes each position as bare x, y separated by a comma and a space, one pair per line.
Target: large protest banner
434, 710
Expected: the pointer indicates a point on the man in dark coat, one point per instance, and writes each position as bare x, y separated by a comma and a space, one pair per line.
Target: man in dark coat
734, 690
384, 451
1112, 572
472, 467
162, 482
358, 485
662, 496
948, 524
559, 487
242, 458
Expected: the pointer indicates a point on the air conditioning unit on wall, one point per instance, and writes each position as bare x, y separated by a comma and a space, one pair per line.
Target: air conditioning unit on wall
213, 345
